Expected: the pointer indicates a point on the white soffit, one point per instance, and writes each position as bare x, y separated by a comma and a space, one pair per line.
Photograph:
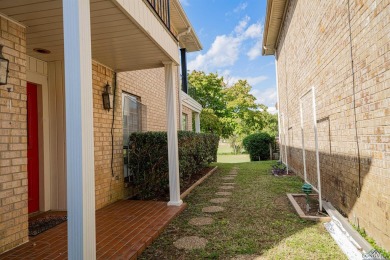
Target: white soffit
181, 23
117, 41
276, 10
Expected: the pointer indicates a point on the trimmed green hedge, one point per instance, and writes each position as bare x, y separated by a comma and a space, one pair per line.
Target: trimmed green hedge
257, 145
148, 159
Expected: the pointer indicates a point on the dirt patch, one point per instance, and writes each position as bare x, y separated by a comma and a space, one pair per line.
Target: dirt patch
313, 203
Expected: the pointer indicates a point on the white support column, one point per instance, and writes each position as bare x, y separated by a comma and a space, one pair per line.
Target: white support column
197, 122
79, 130
173, 150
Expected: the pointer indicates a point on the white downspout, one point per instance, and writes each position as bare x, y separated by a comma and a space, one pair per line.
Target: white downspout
278, 98
285, 144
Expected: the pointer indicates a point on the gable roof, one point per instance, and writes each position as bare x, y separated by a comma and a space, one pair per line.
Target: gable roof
276, 10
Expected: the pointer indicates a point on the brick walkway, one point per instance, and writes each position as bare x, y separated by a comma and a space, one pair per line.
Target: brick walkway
123, 230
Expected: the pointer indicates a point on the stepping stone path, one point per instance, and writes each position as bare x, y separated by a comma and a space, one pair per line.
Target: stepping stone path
223, 193
219, 200
247, 257
201, 221
226, 187
228, 178
212, 209
192, 242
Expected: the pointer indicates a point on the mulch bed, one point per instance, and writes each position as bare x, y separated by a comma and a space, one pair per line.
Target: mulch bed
41, 224
313, 203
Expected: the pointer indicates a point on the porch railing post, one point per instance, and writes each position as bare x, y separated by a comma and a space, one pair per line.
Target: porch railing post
79, 130
173, 150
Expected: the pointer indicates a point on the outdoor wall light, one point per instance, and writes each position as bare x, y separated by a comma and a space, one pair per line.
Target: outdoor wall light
3, 68
107, 97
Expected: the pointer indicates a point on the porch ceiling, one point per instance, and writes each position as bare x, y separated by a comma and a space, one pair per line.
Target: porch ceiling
116, 40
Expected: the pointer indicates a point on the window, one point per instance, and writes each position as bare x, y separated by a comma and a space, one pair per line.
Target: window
184, 121
133, 120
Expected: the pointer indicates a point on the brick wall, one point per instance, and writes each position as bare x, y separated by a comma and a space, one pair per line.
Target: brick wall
188, 112
315, 50
13, 140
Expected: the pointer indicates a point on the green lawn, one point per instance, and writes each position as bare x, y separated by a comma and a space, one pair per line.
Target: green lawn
231, 158
257, 222
224, 148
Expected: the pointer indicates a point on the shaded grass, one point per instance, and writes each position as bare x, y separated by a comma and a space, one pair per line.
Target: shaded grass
258, 220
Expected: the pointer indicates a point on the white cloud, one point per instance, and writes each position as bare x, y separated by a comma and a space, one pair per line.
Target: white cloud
254, 31
223, 52
240, 7
267, 96
255, 51
225, 49
242, 25
253, 81
185, 2
272, 110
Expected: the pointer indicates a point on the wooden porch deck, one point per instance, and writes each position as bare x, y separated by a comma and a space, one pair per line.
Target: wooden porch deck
123, 230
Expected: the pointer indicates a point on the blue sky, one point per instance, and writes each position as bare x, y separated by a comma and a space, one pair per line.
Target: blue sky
231, 34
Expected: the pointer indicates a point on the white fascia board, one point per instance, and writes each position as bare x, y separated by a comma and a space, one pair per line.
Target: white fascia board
190, 102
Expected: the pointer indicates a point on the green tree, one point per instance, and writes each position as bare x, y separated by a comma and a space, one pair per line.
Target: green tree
209, 122
207, 90
230, 111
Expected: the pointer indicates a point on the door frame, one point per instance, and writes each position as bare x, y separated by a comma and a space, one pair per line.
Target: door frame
43, 136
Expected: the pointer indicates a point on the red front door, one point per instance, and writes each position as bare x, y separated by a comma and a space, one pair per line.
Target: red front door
32, 148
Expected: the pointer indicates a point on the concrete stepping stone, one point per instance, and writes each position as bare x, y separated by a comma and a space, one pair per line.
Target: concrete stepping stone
223, 193
219, 200
201, 221
191, 242
228, 183
228, 178
247, 257
226, 187
212, 209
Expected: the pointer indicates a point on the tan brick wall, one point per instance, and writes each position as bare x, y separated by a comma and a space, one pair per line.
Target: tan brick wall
149, 86
315, 50
13, 140
188, 112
